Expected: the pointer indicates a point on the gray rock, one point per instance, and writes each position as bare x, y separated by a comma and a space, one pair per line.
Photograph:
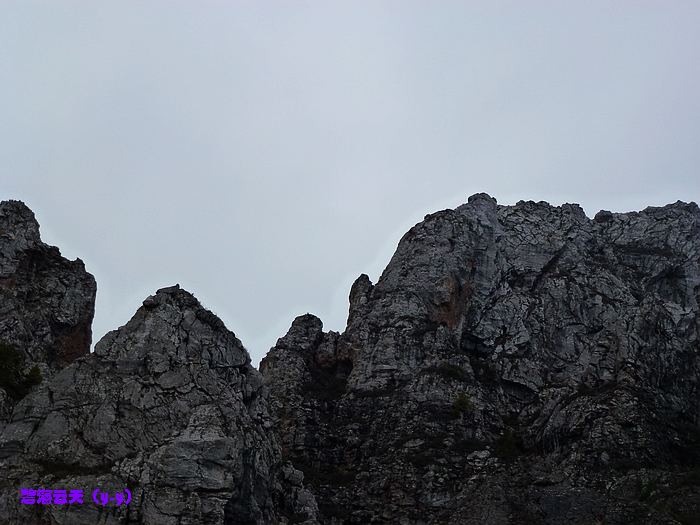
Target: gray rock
46, 306
513, 364
169, 407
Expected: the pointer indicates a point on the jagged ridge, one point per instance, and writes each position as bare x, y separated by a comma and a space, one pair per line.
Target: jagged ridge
168, 405
513, 364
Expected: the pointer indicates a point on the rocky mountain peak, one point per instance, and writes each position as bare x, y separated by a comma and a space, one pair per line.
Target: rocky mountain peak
304, 333
18, 227
512, 364
173, 323
46, 306
484, 198
168, 406
516, 364
359, 295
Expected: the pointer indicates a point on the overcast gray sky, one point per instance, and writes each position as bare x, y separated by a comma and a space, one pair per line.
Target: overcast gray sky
264, 154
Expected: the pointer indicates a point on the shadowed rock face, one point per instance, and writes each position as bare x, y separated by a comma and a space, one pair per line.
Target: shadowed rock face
167, 406
513, 364
47, 301
46, 306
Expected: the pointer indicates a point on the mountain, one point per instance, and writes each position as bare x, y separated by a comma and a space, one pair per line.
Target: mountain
46, 306
512, 365
168, 406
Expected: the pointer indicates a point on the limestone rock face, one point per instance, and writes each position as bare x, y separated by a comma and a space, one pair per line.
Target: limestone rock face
513, 364
167, 406
46, 306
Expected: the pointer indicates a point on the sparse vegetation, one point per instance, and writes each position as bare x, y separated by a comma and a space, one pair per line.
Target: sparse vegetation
647, 490
448, 371
462, 405
33, 377
507, 446
12, 380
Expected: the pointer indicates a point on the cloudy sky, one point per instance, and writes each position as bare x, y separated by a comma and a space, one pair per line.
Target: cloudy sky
264, 154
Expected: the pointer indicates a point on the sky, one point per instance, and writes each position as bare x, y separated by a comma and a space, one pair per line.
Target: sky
264, 154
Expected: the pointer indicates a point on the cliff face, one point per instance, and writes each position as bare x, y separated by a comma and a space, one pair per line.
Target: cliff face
46, 306
513, 364
168, 406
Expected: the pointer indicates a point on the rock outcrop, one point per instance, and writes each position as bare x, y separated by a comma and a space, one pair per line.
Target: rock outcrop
167, 406
513, 364
46, 306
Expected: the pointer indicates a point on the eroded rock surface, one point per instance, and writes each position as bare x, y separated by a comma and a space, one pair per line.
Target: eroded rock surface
46, 306
513, 364
167, 406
